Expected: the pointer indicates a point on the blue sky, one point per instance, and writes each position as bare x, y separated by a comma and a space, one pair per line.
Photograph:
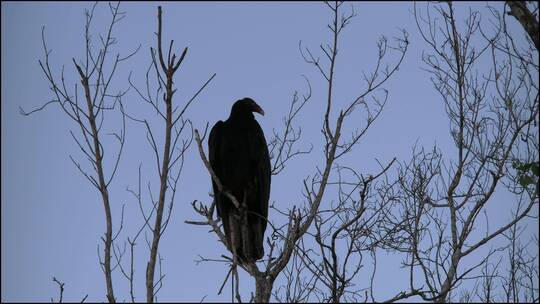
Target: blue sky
52, 218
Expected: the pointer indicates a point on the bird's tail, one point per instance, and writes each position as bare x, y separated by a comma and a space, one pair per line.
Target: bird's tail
245, 239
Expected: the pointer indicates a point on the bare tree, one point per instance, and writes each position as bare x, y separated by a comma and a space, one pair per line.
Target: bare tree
169, 162
95, 77
346, 235
489, 112
520, 284
285, 240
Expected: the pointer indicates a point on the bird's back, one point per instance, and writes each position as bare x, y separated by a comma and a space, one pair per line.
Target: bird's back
238, 149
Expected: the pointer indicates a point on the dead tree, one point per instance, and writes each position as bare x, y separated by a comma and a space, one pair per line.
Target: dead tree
169, 161
490, 111
285, 240
95, 78
345, 236
523, 272
344, 232
520, 280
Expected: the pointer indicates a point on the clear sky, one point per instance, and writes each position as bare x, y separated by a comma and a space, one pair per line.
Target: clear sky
52, 218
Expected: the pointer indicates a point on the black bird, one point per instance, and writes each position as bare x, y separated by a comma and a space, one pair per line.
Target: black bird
240, 160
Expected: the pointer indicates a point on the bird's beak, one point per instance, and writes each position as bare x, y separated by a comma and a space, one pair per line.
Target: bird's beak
259, 110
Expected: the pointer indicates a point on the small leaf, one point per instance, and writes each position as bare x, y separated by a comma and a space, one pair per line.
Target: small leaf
526, 167
535, 168
515, 164
525, 180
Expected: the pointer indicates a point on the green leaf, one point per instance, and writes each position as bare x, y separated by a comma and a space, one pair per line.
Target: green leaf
521, 167
525, 180
515, 164
535, 168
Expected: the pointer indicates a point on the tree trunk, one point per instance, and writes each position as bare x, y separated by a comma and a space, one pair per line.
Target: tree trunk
263, 289
447, 285
102, 186
519, 10
151, 266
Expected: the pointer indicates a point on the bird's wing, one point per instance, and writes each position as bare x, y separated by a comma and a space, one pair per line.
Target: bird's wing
214, 143
262, 170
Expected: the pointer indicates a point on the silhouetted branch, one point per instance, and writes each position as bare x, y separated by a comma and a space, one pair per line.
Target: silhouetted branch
61, 290
441, 200
170, 159
95, 79
281, 147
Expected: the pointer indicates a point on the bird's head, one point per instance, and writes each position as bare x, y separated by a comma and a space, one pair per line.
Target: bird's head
245, 107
